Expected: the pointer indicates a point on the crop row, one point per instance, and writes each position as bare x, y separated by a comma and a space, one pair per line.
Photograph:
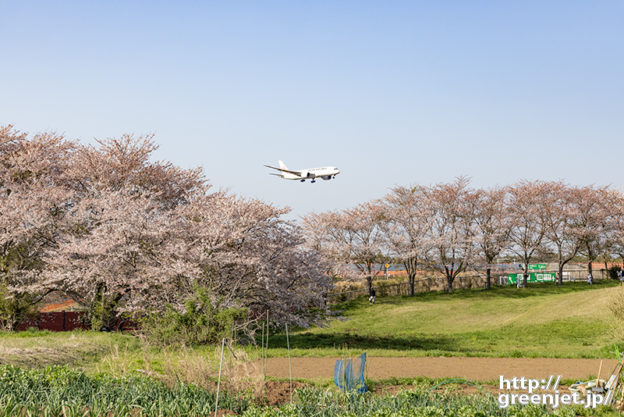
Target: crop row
59, 391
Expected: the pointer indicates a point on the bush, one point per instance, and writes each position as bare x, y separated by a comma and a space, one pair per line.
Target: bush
14, 309
613, 272
202, 322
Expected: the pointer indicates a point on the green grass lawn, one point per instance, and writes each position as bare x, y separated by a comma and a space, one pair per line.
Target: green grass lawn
543, 320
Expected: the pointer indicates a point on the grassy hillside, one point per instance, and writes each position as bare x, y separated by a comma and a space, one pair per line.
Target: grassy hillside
540, 321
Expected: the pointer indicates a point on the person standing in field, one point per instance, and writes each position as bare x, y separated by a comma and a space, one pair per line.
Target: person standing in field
590, 279
371, 299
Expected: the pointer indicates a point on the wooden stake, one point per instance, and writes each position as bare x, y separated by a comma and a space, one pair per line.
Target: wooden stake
289, 364
266, 348
598, 377
219, 380
262, 354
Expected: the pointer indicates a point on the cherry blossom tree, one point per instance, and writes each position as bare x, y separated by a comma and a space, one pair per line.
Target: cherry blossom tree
111, 251
406, 225
526, 213
250, 257
125, 162
117, 224
593, 222
33, 198
561, 216
452, 229
134, 257
121, 233
617, 224
353, 237
492, 225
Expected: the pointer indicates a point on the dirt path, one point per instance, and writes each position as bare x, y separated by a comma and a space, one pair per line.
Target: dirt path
482, 369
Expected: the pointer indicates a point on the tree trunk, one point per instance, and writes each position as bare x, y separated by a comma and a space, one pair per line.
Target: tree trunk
410, 267
525, 277
369, 277
589, 268
488, 278
449, 282
560, 274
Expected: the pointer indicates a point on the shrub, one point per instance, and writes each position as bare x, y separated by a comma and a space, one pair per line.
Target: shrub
203, 321
613, 272
14, 308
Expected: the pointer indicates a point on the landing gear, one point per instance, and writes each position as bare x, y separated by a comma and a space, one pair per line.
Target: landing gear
313, 181
302, 180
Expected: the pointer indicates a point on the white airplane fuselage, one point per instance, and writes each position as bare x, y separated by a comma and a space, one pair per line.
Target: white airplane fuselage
312, 174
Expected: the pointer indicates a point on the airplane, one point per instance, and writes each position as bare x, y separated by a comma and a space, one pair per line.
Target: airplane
327, 173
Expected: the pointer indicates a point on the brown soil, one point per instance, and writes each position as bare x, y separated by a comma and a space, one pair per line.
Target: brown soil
379, 368
278, 392
225, 412
464, 388
478, 369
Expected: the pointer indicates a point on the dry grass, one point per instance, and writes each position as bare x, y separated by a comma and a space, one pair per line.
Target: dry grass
197, 366
123, 355
78, 348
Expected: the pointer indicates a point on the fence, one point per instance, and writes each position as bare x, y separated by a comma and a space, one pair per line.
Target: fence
574, 275
384, 289
56, 321
65, 321
581, 275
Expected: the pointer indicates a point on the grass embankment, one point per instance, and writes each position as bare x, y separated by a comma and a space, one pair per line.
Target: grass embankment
543, 320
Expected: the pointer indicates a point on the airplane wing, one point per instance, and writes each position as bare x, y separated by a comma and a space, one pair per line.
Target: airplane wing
284, 170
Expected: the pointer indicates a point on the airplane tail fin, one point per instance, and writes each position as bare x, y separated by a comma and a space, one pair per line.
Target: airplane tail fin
282, 165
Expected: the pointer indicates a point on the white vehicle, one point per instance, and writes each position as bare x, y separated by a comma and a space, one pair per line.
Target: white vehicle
327, 173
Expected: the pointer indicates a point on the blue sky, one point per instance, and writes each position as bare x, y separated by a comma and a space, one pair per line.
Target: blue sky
390, 92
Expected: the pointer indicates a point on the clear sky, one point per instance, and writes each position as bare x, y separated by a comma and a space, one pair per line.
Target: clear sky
390, 92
